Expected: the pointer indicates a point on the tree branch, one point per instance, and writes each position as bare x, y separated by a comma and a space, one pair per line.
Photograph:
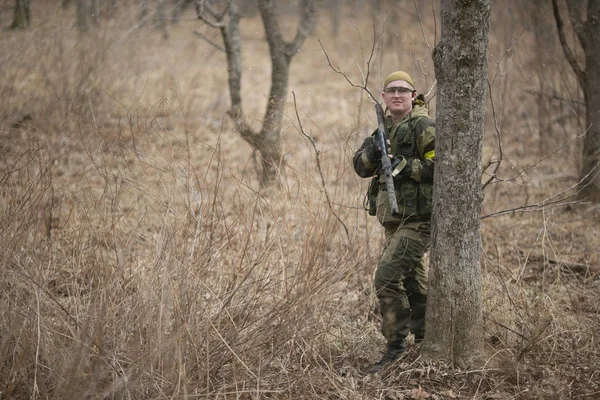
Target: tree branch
271, 25
209, 41
565, 46
498, 161
203, 10
318, 159
527, 168
230, 33
556, 200
307, 23
365, 78
575, 10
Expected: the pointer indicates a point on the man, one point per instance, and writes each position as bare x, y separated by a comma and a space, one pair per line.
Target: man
401, 278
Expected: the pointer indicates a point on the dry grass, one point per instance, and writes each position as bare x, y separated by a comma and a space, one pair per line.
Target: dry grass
139, 260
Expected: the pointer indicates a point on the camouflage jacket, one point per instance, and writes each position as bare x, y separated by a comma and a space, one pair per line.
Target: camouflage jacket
413, 140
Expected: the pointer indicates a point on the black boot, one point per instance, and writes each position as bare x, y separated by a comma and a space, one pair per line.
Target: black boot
393, 352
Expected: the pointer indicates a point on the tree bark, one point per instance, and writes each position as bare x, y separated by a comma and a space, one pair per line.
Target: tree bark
454, 325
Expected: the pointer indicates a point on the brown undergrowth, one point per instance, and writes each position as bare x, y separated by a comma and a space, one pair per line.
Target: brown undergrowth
140, 259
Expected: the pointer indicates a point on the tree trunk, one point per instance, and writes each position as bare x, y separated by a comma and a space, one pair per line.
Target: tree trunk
590, 157
273, 168
589, 79
454, 327
21, 15
282, 52
544, 58
267, 143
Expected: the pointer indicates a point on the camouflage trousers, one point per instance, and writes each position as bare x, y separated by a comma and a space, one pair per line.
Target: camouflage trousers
401, 281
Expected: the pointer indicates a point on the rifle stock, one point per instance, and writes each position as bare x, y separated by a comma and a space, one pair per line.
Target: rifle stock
386, 163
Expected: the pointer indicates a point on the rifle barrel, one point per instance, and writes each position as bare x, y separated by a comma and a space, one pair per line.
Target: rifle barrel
386, 163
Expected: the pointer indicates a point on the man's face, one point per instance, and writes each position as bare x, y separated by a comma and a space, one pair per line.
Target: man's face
398, 97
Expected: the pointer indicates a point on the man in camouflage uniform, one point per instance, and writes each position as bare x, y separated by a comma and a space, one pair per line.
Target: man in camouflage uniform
401, 278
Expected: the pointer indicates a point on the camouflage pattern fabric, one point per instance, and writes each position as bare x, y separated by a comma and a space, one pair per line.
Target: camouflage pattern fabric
401, 281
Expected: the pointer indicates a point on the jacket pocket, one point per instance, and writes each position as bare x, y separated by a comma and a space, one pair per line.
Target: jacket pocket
425, 198
407, 199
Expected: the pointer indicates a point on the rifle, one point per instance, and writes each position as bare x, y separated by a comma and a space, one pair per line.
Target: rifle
386, 163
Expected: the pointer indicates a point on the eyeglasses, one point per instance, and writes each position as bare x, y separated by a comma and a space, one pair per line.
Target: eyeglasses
399, 90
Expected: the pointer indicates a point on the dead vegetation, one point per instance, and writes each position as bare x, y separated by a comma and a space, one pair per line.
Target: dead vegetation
139, 260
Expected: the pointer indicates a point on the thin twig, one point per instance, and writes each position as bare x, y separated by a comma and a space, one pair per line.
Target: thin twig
220, 48
421, 24
521, 172
499, 136
506, 327
552, 201
365, 78
318, 159
565, 46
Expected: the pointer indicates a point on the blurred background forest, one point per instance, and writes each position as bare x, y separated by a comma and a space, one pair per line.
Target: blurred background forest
142, 259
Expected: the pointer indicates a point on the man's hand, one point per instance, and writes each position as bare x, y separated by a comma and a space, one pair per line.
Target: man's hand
373, 153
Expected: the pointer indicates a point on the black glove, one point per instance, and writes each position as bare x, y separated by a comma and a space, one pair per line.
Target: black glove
373, 153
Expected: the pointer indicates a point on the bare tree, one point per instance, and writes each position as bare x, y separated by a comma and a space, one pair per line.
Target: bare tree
267, 142
587, 29
21, 15
454, 323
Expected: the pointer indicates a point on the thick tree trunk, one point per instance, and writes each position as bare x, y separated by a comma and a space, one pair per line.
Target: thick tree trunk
538, 9
454, 307
273, 168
